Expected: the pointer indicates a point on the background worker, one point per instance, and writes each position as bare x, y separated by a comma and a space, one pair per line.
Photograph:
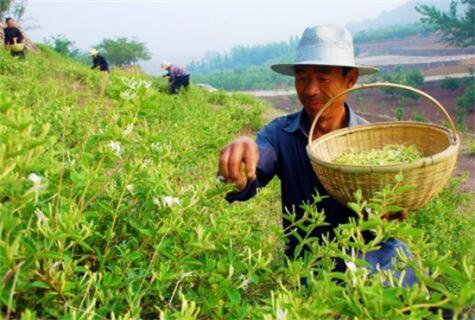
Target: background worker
177, 76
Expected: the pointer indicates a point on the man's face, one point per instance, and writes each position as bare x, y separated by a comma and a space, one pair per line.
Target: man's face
11, 23
315, 85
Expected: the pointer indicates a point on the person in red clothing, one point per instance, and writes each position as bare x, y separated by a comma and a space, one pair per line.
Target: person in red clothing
177, 76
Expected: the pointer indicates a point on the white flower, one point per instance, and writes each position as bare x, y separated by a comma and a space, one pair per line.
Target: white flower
351, 266
144, 163
156, 201
38, 185
42, 219
156, 146
167, 201
116, 147
171, 201
281, 314
35, 179
127, 95
129, 129
130, 188
245, 281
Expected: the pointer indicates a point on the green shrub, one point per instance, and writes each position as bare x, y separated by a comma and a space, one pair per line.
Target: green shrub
467, 100
110, 208
399, 113
418, 117
450, 83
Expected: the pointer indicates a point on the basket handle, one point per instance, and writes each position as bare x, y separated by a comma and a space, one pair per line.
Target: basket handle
381, 84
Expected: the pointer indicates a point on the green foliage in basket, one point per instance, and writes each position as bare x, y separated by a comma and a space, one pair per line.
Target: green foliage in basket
390, 154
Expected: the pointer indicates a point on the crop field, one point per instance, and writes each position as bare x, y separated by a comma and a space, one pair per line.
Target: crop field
110, 208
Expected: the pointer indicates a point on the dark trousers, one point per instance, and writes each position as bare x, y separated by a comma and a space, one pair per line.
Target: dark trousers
177, 83
20, 54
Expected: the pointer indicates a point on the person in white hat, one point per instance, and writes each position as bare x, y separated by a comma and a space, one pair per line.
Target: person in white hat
178, 77
324, 67
101, 63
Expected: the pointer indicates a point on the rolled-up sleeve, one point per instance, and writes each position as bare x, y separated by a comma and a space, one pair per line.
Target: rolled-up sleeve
267, 166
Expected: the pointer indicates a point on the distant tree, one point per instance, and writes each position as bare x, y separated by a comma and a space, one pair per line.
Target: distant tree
456, 30
123, 52
14, 8
62, 45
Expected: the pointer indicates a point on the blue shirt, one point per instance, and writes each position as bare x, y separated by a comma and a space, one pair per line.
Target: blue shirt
282, 153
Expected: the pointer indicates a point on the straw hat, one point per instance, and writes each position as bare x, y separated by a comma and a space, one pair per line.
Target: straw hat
324, 45
165, 64
92, 52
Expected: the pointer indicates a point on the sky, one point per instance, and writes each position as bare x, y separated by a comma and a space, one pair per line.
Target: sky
179, 31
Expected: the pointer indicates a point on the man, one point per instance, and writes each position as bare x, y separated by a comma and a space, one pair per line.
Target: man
13, 39
324, 66
177, 76
101, 63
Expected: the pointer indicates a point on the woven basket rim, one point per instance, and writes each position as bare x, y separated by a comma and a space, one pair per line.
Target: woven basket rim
423, 162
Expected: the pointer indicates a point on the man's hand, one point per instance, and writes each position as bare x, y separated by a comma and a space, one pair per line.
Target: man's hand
238, 161
401, 215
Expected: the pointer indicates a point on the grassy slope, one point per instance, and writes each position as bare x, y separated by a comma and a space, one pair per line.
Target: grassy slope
96, 236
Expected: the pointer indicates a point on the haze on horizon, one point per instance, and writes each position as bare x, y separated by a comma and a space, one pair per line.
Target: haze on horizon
180, 31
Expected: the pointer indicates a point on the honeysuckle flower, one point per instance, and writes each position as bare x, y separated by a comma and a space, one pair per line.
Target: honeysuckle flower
156, 146
281, 314
144, 163
128, 129
351, 266
33, 177
170, 201
55, 265
38, 185
156, 201
167, 201
42, 219
116, 147
127, 95
245, 282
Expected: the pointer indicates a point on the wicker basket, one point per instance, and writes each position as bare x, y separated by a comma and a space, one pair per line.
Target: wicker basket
428, 175
17, 47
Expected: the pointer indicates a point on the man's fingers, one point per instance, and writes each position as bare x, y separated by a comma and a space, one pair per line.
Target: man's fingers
241, 182
251, 159
234, 161
223, 162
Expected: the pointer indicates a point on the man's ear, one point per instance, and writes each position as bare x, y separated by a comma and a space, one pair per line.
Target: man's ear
351, 77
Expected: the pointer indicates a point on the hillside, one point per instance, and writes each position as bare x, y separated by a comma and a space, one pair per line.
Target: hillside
402, 15
110, 208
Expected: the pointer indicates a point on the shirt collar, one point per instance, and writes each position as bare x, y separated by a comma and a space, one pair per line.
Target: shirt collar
301, 122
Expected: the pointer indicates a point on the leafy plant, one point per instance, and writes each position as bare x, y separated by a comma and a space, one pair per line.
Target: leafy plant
110, 208
418, 117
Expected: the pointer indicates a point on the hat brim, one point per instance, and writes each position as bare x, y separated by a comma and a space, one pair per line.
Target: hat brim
289, 69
